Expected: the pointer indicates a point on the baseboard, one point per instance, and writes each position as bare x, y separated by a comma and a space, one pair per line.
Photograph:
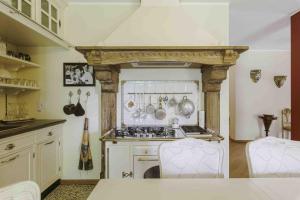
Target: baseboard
50, 189
240, 141
79, 182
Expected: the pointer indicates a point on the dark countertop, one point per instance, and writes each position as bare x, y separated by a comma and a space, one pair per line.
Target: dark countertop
28, 126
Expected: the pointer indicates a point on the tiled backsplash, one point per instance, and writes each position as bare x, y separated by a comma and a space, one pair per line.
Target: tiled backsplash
140, 93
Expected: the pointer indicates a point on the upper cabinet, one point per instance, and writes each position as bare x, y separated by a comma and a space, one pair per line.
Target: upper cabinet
24, 6
33, 22
49, 15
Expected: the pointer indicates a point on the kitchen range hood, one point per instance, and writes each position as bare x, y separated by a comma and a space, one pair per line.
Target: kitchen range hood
159, 23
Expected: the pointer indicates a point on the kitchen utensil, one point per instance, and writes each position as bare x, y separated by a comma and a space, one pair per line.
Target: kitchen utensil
165, 99
79, 111
150, 109
143, 113
172, 102
160, 113
137, 112
131, 103
70, 108
175, 122
186, 107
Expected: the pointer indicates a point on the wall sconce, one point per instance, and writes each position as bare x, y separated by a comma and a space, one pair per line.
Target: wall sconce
255, 75
279, 80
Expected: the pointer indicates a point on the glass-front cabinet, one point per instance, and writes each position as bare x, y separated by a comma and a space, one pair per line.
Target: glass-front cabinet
48, 13
27, 7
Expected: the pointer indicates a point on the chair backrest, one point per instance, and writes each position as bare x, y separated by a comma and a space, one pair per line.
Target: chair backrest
286, 116
191, 158
26, 190
273, 157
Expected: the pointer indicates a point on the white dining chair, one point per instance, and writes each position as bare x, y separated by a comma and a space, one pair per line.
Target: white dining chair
191, 158
273, 157
26, 190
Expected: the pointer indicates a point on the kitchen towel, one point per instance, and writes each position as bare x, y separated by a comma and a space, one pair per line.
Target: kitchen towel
85, 160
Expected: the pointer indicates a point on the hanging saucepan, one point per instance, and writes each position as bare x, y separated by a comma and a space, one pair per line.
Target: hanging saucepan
160, 113
70, 108
79, 111
186, 107
137, 112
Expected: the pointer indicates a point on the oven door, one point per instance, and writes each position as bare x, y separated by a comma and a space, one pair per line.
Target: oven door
146, 164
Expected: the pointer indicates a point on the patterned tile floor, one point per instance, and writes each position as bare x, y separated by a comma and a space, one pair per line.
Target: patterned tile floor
70, 192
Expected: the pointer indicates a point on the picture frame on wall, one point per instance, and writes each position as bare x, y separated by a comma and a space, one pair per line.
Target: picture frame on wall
78, 74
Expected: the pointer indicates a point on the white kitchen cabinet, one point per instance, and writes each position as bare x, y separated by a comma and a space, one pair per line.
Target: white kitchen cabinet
26, 7
118, 162
48, 156
48, 163
50, 15
35, 155
17, 167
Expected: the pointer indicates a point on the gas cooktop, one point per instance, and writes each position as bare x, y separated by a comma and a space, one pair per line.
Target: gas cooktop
194, 129
148, 132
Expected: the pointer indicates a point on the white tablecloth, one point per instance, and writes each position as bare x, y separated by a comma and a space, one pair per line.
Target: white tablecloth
198, 189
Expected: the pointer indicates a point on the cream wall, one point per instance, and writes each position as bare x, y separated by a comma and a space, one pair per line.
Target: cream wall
248, 99
87, 24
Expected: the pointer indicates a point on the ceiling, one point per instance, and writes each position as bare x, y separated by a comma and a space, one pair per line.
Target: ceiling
261, 24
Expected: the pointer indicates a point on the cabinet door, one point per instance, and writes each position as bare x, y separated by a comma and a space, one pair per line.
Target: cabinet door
49, 15
118, 161
48, 163
27, 7
16, 167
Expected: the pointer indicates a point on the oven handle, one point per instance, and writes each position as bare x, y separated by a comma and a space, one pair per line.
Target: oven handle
147, 159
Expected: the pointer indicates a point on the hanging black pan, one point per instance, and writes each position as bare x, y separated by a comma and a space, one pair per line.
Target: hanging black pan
70, 108
79, 111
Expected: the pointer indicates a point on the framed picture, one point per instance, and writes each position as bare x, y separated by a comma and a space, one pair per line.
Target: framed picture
78, 74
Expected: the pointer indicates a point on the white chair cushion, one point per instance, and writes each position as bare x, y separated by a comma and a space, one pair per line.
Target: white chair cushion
27, 190
273, 157
191, 158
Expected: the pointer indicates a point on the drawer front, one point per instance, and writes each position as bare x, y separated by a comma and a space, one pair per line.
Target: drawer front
145, 150
16, 144
48, 133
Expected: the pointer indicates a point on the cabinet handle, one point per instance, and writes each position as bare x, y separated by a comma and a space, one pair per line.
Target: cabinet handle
50, 133
125, 174
147, 159
48, 143
10, 147
10, 160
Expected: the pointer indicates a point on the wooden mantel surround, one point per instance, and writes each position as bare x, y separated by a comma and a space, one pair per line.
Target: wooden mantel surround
214, 62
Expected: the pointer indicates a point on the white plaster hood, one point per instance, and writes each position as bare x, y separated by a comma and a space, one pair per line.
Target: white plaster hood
159, 23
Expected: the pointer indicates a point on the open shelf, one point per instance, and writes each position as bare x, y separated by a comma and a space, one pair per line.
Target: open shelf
17, 87
10, 62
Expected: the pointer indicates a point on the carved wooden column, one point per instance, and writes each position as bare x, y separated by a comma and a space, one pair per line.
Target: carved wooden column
212, 78
109, 79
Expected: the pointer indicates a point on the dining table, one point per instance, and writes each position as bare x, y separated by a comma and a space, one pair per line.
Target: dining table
198, 189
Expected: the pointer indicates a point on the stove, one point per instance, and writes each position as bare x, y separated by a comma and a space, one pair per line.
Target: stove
148, 132
194, 130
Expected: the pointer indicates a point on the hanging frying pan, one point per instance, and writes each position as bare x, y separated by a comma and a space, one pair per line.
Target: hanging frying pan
79, 111
70, 108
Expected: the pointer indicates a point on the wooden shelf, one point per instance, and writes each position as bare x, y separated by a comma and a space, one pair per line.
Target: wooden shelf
10, 62
18, 87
